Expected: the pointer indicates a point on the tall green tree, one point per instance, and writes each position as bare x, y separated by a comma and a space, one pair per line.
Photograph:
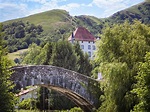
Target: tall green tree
85, 67
119, 52
45, 54
6, 97
64, 56
142, 88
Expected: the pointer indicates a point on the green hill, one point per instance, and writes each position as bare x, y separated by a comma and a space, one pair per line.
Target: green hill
59, 24
139, 12
49, 20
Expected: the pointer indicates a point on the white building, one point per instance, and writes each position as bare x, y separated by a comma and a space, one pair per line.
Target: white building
29, 93
85, 39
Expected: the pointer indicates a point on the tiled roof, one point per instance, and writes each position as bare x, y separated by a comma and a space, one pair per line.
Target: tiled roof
82, 34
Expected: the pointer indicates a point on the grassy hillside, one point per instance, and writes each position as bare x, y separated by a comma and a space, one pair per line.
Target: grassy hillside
16, 54
58, 24
140, 12
50, 20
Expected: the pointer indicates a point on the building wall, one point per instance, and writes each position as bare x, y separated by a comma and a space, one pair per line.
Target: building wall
32, 93
88, 47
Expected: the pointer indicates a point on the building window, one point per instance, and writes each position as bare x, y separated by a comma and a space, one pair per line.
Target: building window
82, 46
89, 46
94, 47
89, 53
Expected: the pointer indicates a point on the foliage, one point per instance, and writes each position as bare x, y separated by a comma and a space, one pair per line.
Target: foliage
139, 12
45, 54
93, 24
6, 97
49, 99
22, 110
61, 54
19, 35
58, 24
64, 56
85, 67
32, 53
142, 86
76, 109
27, 104
42, 101
119, 52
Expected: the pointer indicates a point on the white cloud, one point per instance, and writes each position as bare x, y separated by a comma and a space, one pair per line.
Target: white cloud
70, 6
54, 5
44, 1
12, 11
110, 6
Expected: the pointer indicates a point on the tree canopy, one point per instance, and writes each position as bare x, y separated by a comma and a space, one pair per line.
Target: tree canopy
119, 52
6, 97
141, 88
19, 35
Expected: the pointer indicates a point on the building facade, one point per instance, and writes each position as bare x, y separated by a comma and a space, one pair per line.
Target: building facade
26, 94
85, 39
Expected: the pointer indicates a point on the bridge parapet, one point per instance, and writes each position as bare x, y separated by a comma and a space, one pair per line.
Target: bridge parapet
72, 84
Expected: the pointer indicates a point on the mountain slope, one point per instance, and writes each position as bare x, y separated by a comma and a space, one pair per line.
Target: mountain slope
49, 19
58, 24
140, 12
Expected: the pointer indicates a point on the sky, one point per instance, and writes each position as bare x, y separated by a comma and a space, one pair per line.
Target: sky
12, 9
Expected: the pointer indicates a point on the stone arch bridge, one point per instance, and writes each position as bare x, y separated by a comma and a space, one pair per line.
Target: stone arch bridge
82, 90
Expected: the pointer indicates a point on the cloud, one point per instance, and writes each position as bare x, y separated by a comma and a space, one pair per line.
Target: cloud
44, 1
12, 11
54, 5
70, 6
110, 6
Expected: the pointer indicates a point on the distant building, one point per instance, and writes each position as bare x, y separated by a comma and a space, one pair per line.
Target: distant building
85, 39
29, 93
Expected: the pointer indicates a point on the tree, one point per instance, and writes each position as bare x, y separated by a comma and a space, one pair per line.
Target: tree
6, 97
31, 55
142, 88
85, 67
45, 54
64, 56
119, 52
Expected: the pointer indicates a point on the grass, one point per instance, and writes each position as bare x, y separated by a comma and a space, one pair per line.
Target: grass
47, 19
16, 54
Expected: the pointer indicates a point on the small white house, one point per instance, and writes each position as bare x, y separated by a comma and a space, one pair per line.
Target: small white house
29, 93
85, 39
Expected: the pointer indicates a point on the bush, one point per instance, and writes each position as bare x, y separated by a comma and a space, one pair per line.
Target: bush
27, 104
76, 109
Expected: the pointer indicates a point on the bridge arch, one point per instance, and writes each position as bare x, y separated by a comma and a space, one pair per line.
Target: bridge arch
82, 90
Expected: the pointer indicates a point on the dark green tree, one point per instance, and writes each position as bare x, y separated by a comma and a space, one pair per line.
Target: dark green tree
64, 56
45, 54
42, 101
6, 97
85, 67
